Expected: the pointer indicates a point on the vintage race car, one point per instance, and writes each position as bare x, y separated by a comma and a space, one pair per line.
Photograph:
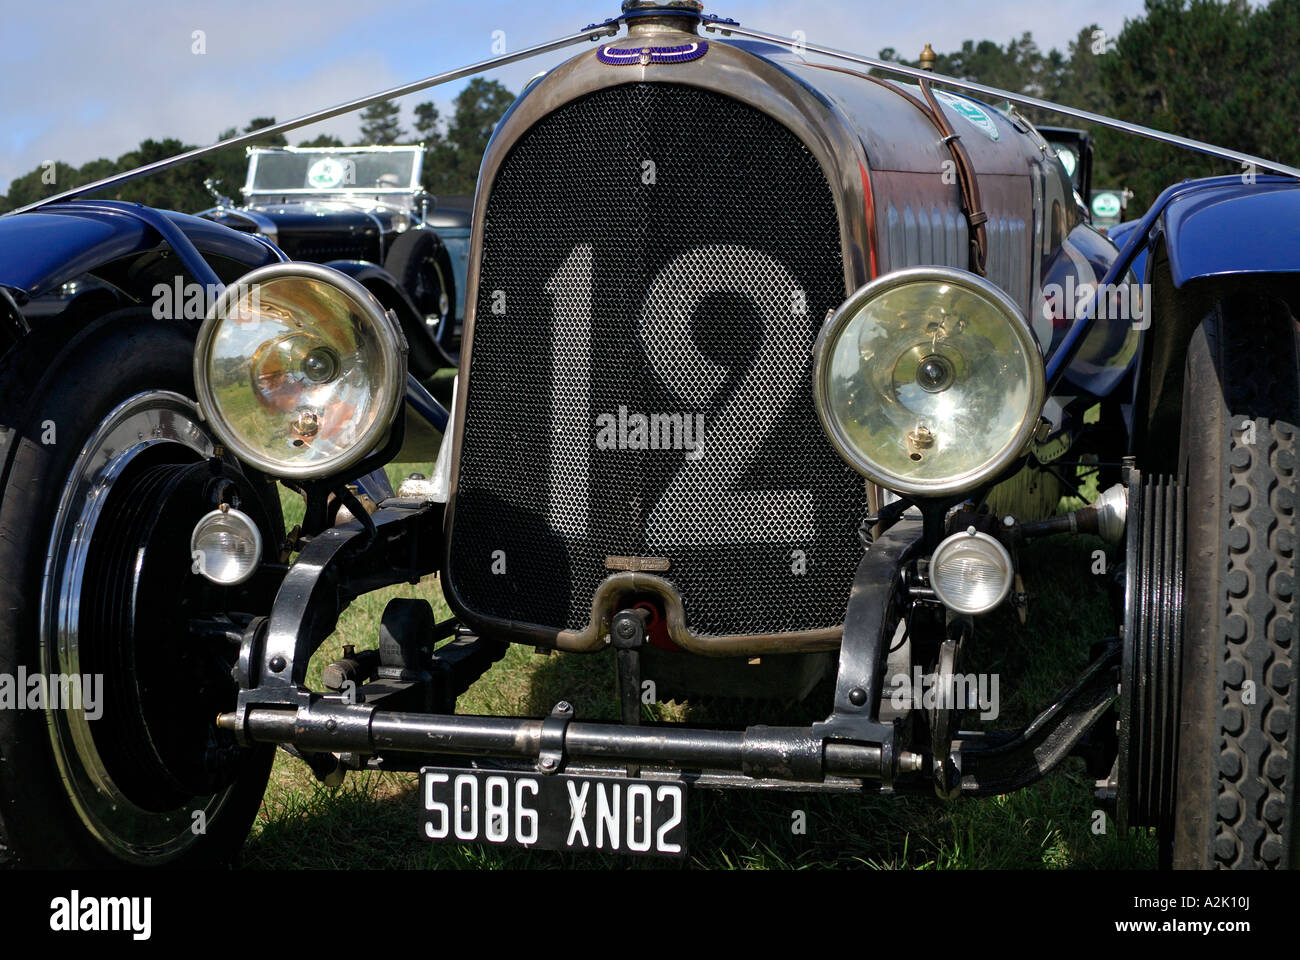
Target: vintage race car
364, 206
771, 368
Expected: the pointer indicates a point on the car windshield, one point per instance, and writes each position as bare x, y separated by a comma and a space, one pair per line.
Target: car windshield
333, 170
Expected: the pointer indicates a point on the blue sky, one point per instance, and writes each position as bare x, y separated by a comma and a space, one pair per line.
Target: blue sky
87, 78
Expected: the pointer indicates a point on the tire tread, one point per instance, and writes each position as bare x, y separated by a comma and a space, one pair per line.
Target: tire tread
1253, 815
1236, 776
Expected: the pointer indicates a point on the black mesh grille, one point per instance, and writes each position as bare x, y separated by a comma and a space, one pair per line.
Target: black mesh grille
671, 252
321, 249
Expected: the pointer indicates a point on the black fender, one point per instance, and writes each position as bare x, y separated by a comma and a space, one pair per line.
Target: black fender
425, 357
130, 251
13, 325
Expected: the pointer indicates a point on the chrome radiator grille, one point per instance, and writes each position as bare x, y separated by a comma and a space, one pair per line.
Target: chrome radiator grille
656, 262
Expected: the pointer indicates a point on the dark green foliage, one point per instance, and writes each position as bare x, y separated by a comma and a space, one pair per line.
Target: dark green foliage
1220, 72
324, 140
453, 158
381, 124
179, 188
46, 180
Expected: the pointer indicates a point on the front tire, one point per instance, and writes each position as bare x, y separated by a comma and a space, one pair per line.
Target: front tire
1235, 804
417, 259
94, 422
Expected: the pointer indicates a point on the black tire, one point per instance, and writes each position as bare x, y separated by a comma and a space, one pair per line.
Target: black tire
70, 378
1235, 801
418, 260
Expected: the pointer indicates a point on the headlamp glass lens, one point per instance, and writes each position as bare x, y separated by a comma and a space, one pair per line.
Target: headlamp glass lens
298, 372
928, 383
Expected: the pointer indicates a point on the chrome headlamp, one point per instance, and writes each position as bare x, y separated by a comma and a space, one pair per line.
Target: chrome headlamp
929, 381
299, 370
971, 572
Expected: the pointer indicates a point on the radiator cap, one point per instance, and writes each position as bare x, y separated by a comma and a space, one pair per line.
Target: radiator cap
686, 6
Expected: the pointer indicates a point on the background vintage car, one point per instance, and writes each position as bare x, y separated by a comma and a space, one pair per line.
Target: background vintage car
364, 205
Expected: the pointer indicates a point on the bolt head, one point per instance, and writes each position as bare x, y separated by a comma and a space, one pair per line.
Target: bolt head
278, 663
857, 696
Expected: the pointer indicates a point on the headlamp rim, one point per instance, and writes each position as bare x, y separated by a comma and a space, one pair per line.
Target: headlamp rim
953, 540
240, 516
829, 335
392, 345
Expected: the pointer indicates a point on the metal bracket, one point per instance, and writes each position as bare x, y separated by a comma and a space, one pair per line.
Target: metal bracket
859, 684
946, 768
405, 631
336, 566
627, 633
1007, 765
550, 759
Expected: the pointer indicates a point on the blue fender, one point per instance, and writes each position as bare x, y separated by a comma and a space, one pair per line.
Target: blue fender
1105, 357
1213, 227
1226, 229
1234, 228
1119, 234
50, 246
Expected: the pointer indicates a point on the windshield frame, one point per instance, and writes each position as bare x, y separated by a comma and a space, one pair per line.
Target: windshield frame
411, 188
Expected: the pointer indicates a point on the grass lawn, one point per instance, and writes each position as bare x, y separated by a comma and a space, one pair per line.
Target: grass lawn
373, 820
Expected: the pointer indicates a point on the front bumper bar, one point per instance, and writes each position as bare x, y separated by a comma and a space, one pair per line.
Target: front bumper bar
850, 747
780, 753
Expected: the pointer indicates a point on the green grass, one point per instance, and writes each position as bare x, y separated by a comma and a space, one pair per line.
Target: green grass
372, 821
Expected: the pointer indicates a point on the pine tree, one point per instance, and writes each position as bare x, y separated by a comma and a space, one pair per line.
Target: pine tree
428, 123
324, 140
1190, 69
380, 124
453, 160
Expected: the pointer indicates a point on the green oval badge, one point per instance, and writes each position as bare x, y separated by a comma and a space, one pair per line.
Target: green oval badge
1106, 205
326, 173
973, 113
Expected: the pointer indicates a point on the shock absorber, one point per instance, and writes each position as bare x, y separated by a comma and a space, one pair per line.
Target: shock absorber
1105, 517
